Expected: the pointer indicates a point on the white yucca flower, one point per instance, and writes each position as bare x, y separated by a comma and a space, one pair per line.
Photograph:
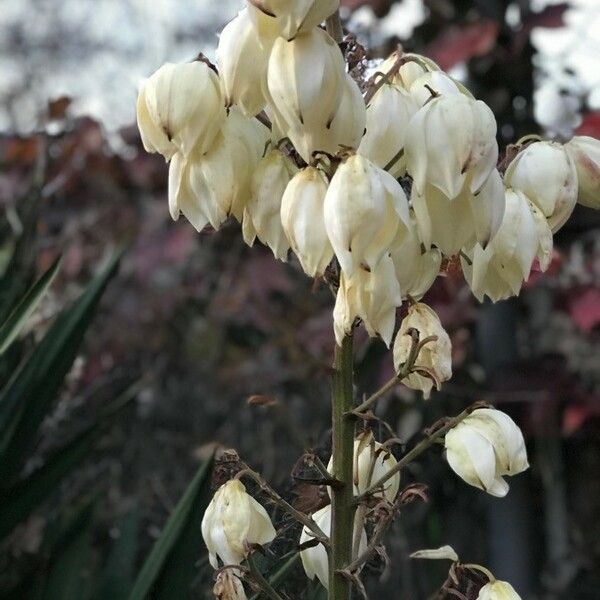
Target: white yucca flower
546, 174
233, 520
499, 270
208, 188
451, 224
364, 209
415, 66
435, 82
262, 213
242, 58
372, 296
388, 115
498, 590
585, 152
485, 447
314, 559
435, 358
303, 220
450, 143
180, 108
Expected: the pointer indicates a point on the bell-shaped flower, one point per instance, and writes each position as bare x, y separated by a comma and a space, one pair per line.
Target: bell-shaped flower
372, 462
314, 559
546, 174
433, 364
499, 270
413, 67
435, 83
451, 224
498, 590
208, 188
180, 108
294, 16
262, 213
306, 78
242, 58
232, 521
585, 152
450, 143
303, 220
416, 267
485, 447
229, 586
364, 209
388, 115
372, 296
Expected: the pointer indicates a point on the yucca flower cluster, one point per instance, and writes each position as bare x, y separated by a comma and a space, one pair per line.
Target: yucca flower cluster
374, 184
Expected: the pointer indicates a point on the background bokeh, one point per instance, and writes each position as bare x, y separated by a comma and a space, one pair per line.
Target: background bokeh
203, 322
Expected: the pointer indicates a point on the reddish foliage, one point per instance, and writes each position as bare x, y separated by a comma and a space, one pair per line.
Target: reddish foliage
590, 125
584, 308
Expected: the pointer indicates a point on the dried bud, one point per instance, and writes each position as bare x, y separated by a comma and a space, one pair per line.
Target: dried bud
450, 143
484, 447
294, 16
232, 521
546, 174
435, 358
364, 208
229, 586
314, 559
179, 108
303, 220
585, 152
262, 214
498, 590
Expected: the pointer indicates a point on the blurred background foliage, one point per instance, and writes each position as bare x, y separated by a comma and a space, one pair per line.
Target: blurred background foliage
105, 461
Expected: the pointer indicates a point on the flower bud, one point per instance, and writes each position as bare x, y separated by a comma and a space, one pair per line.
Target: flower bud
314, 559
303, 220
450, 142
229, 586
498, 590
434, 362
294, 16
364, 208
585, 152
262, 214
372, 296
416, 269
208, 188
546, 174
415, 66
485, 447
180, 107
233, 520
371, 462
499, 270
242, 58
388, 115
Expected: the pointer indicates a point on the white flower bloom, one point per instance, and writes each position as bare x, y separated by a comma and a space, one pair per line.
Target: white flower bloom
303, 220
229, 586
306, 80
233, 520
262, 213
371, 462
371, 296
364, 208
422, 88
546, 174
314, 559
242, 57
416, 66
179, 108
294, 16
435, 358
416, 269
498, 590
585, 152
388, 115
499, 270
450, 143
207, 188
485, 447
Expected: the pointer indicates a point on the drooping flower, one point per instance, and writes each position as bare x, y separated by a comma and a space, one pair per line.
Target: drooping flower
180, 108
434, 83
585, 152
414, 66
498, 590
546, 174
434, 362
485, 447
233, 520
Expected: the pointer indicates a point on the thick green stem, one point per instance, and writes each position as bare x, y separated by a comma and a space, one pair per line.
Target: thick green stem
343, 507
